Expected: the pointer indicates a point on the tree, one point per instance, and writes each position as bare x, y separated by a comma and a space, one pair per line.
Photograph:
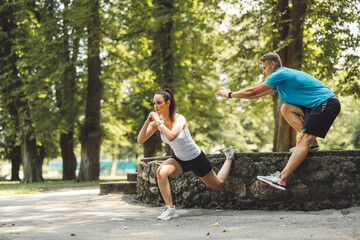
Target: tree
288, 28
91, 133
66, 89
16, 98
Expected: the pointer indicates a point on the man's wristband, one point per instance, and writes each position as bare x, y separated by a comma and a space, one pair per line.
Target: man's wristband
229, 94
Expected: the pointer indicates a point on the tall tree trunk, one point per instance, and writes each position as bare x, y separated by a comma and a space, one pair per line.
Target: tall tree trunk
164, 69
66, 102
291, 56
91, 131
167, 56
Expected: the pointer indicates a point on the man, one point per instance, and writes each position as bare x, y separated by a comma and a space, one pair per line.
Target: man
309, 106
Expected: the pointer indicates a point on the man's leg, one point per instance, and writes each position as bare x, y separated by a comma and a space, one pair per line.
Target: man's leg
292, 114
298, 156
277, 179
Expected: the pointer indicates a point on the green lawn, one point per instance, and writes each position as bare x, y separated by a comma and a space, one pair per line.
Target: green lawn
12, 188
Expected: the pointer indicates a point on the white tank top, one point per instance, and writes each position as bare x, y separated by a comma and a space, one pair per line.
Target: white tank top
184, 146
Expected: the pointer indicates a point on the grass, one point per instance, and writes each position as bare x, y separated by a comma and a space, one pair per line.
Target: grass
13, 188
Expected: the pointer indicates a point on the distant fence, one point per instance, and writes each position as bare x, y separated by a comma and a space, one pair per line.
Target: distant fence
122, 166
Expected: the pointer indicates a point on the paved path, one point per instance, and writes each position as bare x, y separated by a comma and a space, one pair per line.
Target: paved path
84, 214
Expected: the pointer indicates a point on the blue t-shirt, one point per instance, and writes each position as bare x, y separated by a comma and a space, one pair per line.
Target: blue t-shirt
298, 87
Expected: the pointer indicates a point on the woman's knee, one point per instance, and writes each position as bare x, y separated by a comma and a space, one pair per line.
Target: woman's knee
217, 185
161, 172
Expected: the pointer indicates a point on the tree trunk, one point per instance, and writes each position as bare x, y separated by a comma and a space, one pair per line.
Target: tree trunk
114, 160
151, 145
168, 150
66, 102
90, 165
164, 68
91, 131
32, 162
291, 56
68, 156
15, 156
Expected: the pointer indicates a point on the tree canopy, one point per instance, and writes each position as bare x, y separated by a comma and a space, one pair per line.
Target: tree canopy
48, 64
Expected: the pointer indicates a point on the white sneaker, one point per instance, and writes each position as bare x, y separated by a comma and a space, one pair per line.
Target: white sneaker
229, 152
168, 214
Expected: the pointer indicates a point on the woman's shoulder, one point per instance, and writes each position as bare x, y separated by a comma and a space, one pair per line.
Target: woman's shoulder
179, 116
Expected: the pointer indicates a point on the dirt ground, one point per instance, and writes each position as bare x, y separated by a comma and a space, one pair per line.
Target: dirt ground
84, 214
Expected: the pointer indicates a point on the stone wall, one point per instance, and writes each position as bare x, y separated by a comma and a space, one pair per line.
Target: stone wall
326, 179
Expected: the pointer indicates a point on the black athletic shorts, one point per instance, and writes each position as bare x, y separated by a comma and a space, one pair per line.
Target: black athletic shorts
319, 119
200, 165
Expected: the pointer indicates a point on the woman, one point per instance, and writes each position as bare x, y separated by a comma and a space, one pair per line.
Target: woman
187, 155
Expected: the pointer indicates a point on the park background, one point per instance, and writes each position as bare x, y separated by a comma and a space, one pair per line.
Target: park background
77, 78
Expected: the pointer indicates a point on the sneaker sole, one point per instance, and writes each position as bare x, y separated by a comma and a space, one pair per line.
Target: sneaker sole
168, 218
271, 184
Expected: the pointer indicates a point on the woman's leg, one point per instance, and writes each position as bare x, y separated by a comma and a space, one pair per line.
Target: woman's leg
168, 168
214, 181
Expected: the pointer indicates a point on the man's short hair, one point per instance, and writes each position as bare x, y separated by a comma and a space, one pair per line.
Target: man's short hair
271, 56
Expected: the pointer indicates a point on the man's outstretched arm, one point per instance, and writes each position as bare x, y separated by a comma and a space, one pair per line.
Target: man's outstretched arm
257, 91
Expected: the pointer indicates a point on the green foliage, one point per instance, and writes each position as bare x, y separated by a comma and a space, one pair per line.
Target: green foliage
194, 47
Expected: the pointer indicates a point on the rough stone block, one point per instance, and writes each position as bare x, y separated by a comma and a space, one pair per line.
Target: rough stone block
128, 187
326, 179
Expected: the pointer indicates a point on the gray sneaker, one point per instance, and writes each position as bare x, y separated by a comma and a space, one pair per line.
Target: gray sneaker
168, 214
273, 180
229, 152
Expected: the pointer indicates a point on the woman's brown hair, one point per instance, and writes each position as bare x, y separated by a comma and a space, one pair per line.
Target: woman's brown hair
168, 95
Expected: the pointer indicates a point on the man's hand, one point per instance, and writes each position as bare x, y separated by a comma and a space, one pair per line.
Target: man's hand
223, 92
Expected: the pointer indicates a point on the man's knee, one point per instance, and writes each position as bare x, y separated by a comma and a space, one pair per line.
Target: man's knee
285, 108
305, 139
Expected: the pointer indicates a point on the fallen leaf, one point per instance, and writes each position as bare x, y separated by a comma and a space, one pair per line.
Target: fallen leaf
216, 224
338, 233
244, 227
283, 225
224, 230
208, 233
73, 234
